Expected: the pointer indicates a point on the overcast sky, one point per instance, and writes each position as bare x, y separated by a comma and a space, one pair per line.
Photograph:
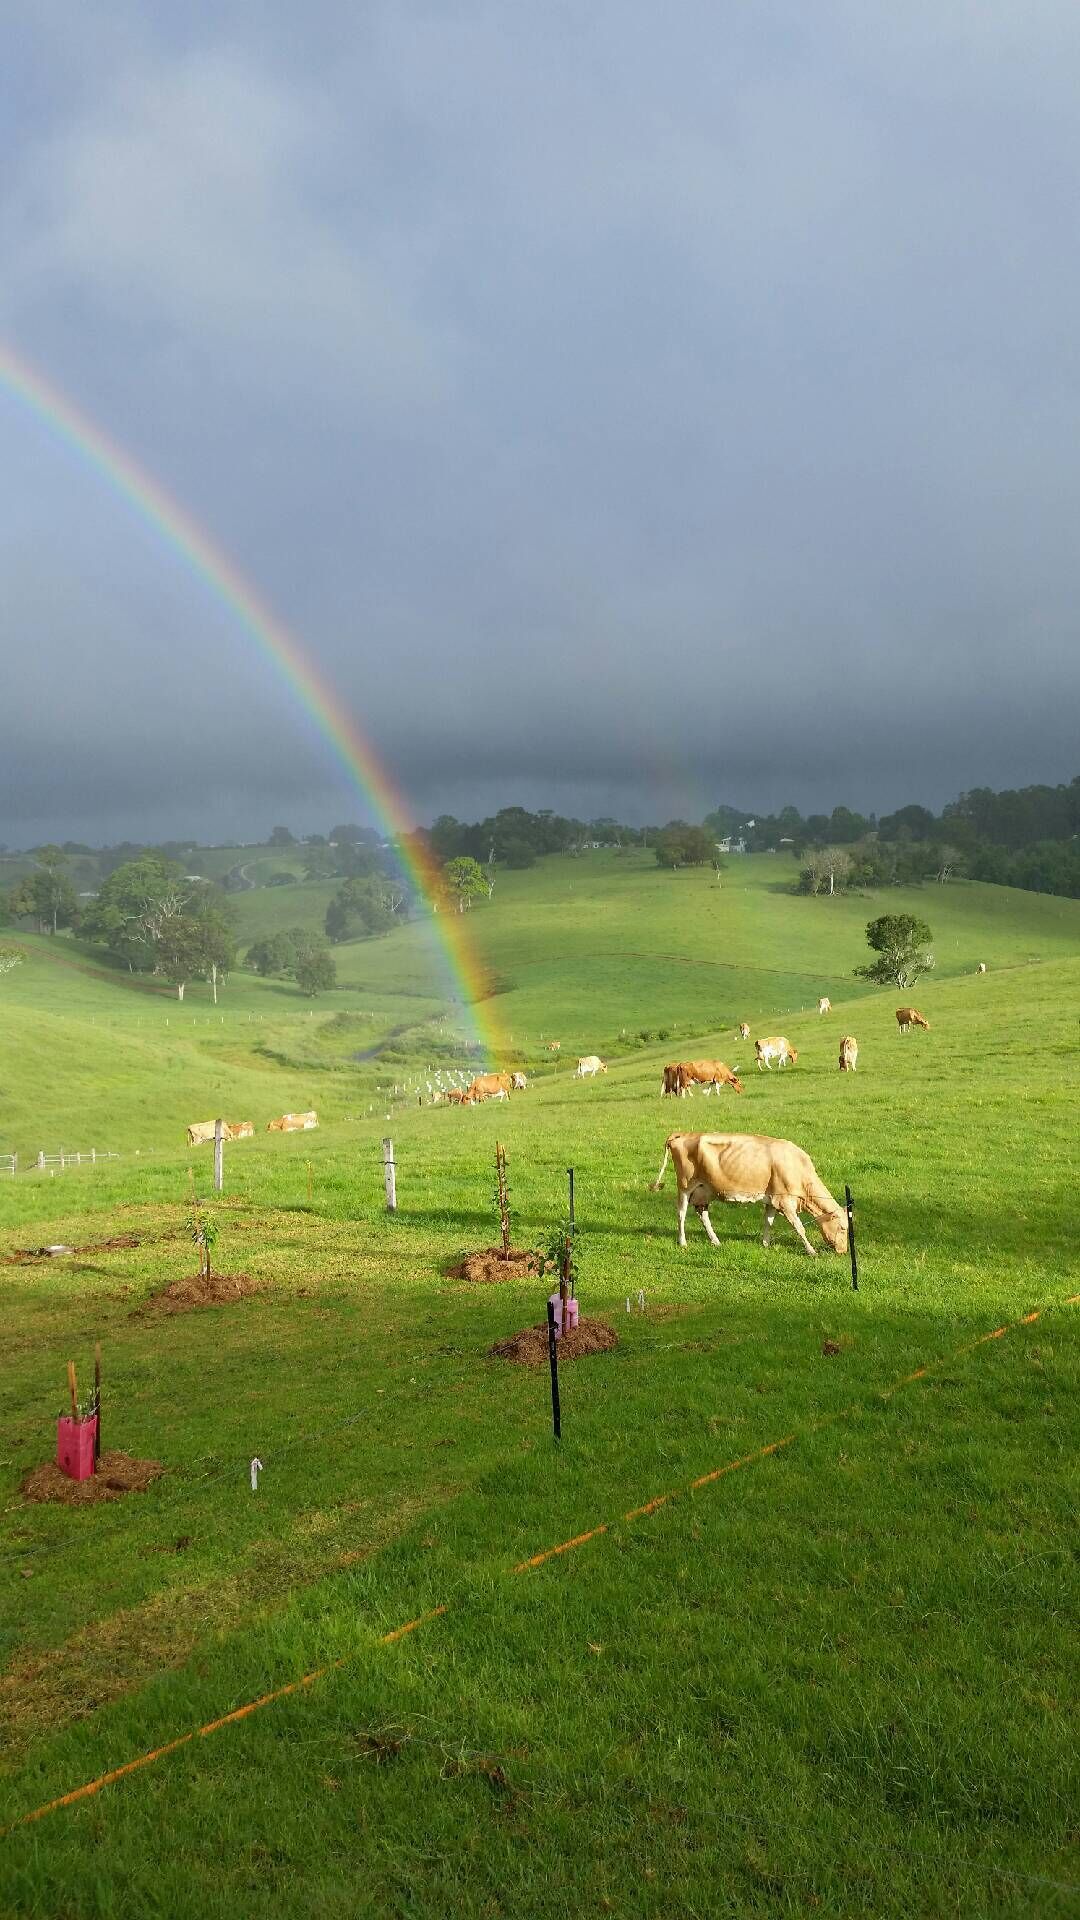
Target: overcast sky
628, 407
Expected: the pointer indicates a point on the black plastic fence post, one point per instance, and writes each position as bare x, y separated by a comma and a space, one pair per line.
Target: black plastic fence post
553, 1356
851, 1239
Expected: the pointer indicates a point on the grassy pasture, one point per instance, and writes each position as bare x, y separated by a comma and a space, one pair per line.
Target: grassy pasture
838, 1680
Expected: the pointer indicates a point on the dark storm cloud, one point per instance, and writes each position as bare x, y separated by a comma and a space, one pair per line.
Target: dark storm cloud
627, 412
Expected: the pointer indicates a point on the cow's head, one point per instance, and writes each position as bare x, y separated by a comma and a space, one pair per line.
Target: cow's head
735, 1083
793, 1055
834, 1231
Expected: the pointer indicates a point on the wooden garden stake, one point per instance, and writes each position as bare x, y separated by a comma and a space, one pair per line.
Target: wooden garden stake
553, 1359
73, 1390
389, 1176
219, 1154
309, 1183
851, 1239
570, 1175
97, 1402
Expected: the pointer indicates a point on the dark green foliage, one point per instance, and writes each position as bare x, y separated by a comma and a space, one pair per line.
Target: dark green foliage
899, 942
681, 845
316, 972
46, 895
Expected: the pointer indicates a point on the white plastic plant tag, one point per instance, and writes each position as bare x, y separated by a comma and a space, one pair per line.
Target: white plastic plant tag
256, 1468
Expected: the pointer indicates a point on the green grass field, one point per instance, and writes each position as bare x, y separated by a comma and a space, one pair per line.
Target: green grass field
838, 1680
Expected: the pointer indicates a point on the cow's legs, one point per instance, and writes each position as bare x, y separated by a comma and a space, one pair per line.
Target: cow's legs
684, 1202
770, 1216
791, 1214
708, 1226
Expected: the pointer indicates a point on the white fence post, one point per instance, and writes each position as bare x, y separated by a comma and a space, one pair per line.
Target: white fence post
389, 1176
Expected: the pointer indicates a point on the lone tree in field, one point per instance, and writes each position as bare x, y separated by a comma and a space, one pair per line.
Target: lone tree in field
316, 972
826, 870
898, 940
465, 880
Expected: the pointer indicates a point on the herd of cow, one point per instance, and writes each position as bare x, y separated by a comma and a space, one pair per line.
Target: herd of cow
202, 1132
745, 1168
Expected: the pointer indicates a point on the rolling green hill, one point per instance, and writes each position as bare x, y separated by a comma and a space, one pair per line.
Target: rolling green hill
807, 1648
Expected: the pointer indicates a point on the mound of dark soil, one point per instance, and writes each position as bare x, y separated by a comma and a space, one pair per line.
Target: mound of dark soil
195, 1290
487, 1265
117, 1474
529, 1348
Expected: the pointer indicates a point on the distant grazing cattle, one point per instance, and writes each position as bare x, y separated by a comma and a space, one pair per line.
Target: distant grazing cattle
910, 1017
554, 1045
293, 1123
518, 1082
824, 1006
671, 1083
488, 1086
707, 1074
203, 1131
849, 1053
452, 1096
744, 1031
591, 1063
774, 1048
981, 968
748, 1167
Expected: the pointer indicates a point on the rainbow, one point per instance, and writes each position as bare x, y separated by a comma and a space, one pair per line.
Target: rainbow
353, 752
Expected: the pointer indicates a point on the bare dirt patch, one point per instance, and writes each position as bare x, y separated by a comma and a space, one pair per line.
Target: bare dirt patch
117, 1474
22, 1254
529, 1348
487, 1265
195, 1290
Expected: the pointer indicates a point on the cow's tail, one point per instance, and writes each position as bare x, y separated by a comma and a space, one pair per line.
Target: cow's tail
659, 1181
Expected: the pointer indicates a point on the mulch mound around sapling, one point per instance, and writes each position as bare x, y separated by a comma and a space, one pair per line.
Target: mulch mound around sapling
184, 1296
487, 1265
117, 1474
529, 1348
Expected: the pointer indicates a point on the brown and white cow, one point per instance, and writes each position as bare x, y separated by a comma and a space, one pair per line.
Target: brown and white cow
981, 968
774, 1048
907, 1017
553, 1046
824, 1006
671, 1083
518, 1082
489, 1086
293, 1123
590, 1064
743, 1168
744, 1030
451, 1096
849, 1053
707, 1074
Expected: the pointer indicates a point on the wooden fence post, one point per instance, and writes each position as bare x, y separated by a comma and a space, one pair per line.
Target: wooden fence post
389, 1176
219, 1154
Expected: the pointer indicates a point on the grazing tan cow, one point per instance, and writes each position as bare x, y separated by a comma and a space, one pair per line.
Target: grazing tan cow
293, 1123
849, 1053
707, 1074
202, 1132
489, 1086
824, 1006
553, 1046
671, 1083
452, 1096
744, 1030
518, 1082
774, 1048
744, 1168
907, 1017
591, 1063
